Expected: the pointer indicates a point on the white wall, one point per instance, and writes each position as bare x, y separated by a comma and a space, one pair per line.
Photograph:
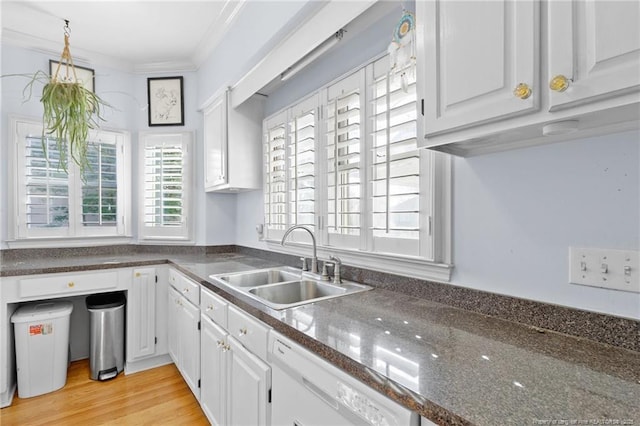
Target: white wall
517, 213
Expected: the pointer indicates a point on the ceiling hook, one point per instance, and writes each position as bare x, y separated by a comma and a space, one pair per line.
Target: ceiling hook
67, 30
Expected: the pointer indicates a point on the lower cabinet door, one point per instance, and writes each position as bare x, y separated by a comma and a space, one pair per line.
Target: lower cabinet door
173, 310
213, 381
189, 339
249, 381
141, 314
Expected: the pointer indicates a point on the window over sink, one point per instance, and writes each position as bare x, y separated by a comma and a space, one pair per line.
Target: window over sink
345, 162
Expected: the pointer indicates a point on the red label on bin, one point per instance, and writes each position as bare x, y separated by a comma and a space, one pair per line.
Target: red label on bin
40, 329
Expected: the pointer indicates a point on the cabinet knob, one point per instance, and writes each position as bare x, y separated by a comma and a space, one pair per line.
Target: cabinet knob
522, 91
209, 308
185, 290
559, 83
138, 274
243, 331
70, 284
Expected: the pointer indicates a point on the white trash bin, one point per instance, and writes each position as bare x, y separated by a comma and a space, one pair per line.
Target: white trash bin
42, 346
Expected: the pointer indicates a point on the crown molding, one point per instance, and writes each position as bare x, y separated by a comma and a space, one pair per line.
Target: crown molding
87, 57
217, 31
54, 49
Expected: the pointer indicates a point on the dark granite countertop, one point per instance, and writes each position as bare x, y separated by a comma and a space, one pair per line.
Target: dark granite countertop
451, 365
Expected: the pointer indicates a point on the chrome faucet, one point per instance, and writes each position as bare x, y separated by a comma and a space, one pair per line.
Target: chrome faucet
337, 263
314, 259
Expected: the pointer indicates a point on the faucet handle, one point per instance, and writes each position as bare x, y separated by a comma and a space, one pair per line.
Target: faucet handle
325, 272
305, 267
337, 279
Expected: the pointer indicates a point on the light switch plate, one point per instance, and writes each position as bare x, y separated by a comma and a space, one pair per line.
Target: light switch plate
614, 269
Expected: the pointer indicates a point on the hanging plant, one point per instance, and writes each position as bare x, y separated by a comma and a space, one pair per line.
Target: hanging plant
70, 110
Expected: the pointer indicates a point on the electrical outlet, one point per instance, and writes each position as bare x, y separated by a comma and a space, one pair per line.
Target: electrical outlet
614, 269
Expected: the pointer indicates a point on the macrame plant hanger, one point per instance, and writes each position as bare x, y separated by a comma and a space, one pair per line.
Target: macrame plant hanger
66, 59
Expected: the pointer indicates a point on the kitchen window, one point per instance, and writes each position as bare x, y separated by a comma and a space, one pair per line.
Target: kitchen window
359, 181
290, 168
51, 203
166, 185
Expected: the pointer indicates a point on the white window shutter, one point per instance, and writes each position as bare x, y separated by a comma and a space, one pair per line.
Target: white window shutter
166, 186
395, 163
54, 203
275, 182
345, 124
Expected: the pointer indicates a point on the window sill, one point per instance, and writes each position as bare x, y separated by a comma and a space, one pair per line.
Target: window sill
29, 243
406, 266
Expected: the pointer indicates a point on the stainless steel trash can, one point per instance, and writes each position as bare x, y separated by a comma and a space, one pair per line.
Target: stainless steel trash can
106, 317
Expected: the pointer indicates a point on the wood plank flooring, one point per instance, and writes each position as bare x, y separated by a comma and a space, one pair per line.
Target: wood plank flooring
154, 397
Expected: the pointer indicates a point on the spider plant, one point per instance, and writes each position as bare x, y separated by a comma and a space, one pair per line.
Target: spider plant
70, 111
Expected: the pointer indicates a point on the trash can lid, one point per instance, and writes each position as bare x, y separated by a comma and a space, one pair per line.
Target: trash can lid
105, 300
43, 310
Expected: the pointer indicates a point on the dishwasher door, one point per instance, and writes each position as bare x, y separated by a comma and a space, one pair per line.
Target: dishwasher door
308, 391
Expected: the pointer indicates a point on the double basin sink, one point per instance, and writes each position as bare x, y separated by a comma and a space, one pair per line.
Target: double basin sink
285, 287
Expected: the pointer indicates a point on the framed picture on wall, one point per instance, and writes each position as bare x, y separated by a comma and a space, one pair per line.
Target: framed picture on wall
166, 103
86, 76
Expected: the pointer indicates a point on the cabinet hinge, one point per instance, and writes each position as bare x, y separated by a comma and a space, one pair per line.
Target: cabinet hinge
269, 396
422, 106
156, 278
198, 382
155, 340
198, 325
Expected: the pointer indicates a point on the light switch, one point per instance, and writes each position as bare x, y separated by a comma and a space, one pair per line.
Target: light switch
614, 269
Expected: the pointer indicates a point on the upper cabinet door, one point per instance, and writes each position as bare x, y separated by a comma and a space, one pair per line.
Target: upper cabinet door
475, 55
215, 143
595, 45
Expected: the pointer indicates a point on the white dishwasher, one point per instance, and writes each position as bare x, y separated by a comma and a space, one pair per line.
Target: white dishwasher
308, 391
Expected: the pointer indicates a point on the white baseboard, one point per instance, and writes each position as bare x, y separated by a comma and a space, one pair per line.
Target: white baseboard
147, 364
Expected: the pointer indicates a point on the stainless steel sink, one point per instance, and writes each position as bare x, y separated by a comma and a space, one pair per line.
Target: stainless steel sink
285, 287
260, 277
296, 291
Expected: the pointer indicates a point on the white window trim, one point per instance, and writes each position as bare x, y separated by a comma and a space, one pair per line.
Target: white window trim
182, 235
16, 240
439, 212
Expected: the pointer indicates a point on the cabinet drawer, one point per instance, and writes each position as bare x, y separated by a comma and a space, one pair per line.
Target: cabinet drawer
249, 331
60, 285
185, 286
214, 307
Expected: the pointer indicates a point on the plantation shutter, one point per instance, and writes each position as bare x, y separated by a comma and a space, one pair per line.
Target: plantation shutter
290, 170
47, 185
302, 163
166, 187
395, 163
275, 191
344, 162
53, 202
100, 186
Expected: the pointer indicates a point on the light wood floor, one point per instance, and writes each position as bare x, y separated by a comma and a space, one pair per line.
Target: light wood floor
153, 397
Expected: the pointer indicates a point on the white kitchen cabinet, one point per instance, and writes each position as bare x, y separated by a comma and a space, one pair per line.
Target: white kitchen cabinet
475, 54
235, 381
596, 45
173, 308
487, 72
184, 338
249, 380
232, 144
213, 389
141, 314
